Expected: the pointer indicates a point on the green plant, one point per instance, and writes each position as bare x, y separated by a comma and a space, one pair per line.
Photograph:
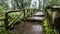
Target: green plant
2, 16
2, 11
4, 31
48, 29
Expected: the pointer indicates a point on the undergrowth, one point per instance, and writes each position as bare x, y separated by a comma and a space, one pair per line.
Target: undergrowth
48, 29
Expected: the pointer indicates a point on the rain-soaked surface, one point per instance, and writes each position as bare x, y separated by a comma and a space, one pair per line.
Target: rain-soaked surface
39, 13
37, 16
29, 28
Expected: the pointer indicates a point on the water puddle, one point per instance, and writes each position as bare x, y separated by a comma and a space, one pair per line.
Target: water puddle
37, 28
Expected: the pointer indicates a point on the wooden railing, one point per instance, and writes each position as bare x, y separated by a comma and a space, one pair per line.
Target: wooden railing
24, 11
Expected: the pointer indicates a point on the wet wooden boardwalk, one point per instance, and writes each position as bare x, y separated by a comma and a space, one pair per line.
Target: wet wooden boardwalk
38, 16
29, 27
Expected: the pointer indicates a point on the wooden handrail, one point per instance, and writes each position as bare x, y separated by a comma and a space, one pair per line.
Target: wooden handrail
6, 17
10, 11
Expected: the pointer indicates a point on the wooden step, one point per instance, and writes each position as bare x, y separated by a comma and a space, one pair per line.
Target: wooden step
39, 13
35, 18
38, 16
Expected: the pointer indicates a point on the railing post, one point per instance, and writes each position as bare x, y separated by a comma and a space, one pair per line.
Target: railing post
27, 13
6, 21
31, 11
24, 13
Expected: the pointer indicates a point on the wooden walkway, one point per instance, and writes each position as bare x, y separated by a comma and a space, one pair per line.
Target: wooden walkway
29, 27
38, 16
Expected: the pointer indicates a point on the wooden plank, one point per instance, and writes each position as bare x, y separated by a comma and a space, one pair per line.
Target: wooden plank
55, 6
35, 18
39, 13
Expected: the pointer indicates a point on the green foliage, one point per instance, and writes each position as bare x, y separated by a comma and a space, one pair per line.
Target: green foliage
48, 29
4, 31
2, 16
51, 2
2, 11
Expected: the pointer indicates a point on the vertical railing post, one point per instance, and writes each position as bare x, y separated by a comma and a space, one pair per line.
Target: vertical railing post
6, 21
34, 10
31, 11
27, 12
24, 13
